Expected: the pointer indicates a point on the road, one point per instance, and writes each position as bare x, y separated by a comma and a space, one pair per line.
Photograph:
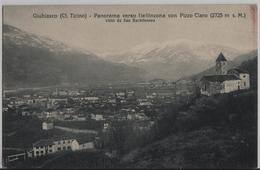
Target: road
73, 130
15, 149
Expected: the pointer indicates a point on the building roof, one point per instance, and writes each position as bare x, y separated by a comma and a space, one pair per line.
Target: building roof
46, 142
238, 70
84, 140
43, 142
221, 57
220, 78
47, 122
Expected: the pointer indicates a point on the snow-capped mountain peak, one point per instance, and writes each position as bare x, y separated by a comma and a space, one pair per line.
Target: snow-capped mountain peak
162, 59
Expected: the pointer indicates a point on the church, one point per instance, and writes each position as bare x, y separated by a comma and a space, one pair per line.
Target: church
224, 81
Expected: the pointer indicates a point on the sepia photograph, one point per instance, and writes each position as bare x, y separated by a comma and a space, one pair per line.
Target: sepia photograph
162, 86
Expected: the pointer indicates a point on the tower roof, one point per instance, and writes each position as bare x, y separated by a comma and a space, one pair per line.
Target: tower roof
221, 57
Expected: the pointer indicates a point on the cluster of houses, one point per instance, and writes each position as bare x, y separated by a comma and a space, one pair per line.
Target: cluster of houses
120, 105
109, 104
124, 114
36, 102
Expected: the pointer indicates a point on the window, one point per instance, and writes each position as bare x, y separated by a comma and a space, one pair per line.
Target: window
37, 152
37, 147
59, 148
204, 87
244, 83
244, 76
64, 147
69, 147
50, 146
41, 152
50, 150
63, 142
41, 147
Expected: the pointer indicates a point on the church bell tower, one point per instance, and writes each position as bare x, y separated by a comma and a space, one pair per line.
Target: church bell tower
221, 65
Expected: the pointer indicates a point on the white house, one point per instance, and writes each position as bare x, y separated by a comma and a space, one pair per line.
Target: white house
47, 125
137, 116
81, 118
145, 104
121, 95
244, 77
75, 145
48, 146
97, 117
130, 93
92, 99
106, 126
111, 100
51, 114
82, 146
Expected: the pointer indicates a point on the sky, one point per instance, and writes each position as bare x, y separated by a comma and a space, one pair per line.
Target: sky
100, 37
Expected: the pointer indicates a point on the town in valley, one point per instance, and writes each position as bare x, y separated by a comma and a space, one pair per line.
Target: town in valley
129, 86
82, 118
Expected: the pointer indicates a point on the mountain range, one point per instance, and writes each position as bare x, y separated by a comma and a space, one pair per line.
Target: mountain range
173, 60
30, 60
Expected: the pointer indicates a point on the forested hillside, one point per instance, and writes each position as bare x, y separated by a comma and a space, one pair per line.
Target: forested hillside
209, 132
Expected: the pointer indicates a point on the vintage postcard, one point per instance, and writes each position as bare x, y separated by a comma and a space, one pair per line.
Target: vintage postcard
129, 86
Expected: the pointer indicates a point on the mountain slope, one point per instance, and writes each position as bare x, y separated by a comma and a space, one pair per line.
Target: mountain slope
30, 60
216, 132
210, 132
173, 60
